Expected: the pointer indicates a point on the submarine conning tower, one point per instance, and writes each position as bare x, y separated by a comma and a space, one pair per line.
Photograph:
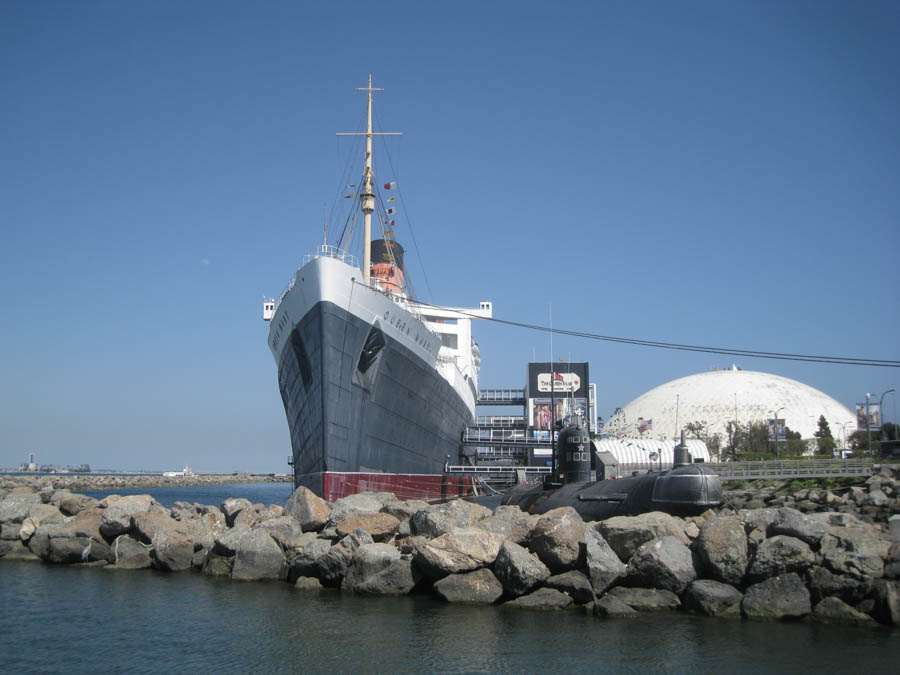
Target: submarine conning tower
573, 454
682, 457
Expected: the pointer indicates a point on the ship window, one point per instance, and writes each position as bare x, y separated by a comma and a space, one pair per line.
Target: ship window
302, 358
373, 345
450, 340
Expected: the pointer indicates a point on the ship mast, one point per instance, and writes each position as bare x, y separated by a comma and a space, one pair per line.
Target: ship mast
367, 196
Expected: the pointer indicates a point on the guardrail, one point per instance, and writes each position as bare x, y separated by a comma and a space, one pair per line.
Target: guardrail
502, 396
813, 468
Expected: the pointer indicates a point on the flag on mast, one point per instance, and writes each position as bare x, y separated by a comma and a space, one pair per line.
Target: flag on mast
353, 196
391, 211
390, 186
392, 199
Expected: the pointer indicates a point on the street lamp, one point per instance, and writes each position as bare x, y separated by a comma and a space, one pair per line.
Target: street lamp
844, 434
881, 411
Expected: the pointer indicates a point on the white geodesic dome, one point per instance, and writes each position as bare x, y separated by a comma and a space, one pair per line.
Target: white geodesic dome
720, 396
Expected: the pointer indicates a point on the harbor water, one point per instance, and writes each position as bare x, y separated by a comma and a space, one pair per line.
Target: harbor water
78, 619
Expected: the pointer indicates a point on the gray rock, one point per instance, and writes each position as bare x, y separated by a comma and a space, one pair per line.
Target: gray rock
232, 507
857, 551
303, 564
382, 526
461, 550
249, 516
333, 564
184, 511
575, 584
227, 542
759, 518
45, 513
558, 539
127, 553
258, 556
875, 498
834, 610
73, 504
76, 549
480, 587
544, 599
308, 584
218, 566
603, 565
359, 504
146, 524
173, 548
894, 527
204, 528
663, 563
886, 607
712, 598
379, 569
626, 534
722, 550
285, 531
518, 570
444, 518
779, 555
117, 517
15, 506
792, 523
782, 597
510, 521
10, 531
838, 519
823, 583
15, 550
611, 606
403, 510
308, 509
645, 599
39, 542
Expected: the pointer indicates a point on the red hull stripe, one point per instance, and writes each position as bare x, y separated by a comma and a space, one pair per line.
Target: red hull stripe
429, 487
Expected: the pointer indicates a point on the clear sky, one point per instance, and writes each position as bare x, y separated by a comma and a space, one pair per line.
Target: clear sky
714, 173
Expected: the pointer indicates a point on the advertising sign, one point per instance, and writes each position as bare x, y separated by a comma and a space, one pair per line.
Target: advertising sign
874, 416
568, 379
776, 425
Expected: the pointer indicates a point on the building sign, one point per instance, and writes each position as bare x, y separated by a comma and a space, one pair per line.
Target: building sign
562, 382
776, 425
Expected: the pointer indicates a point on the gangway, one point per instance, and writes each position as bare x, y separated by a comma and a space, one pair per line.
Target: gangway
501, 397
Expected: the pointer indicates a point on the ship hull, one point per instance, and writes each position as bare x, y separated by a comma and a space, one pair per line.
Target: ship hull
361, 389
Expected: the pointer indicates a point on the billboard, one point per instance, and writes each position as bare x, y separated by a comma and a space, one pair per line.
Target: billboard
565, 379
874, 416
776, 425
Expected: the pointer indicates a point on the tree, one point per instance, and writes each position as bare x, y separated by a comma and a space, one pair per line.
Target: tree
826, 444
698, 429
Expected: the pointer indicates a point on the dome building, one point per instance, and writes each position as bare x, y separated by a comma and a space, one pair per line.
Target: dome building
721, 396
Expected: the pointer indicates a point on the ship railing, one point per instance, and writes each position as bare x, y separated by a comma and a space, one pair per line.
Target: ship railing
515, 421
327, 251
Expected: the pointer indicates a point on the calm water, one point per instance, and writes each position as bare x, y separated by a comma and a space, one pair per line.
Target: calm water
72, 619
213, 495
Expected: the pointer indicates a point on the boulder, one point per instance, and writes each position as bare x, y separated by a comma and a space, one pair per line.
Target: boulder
510, 521
461, 550
26, 529
308, 509
258, 556
645, 599
894, 527
778, 555
204, 528
77, 540
39, 542
544, 599
625, 534
227, 542
757, 518
480, 587
444, 518
11, 531
712, 598
217, 565
308, 584
518, 570
127, 553
722, 550
15, 550
558, 539
173, 548
603, 565
183, 511
886, 607
834, 610
382, 526
45, 513
117, 517
303, 564
575, 584
379, 569
232, 507
664, 563
285, 531
823, 583
611, 606
858, 551
403, 509
333, 564
15, 506
250, 516
146, 524
793, 523
359, 504
781, 597
73, 504
875, 498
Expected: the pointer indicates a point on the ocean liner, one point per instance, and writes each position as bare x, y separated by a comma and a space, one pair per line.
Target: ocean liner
377, 387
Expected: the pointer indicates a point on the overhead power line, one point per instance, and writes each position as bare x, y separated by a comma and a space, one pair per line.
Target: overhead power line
748, 353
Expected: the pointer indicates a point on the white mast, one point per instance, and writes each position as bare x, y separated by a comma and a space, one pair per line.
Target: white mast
367, 196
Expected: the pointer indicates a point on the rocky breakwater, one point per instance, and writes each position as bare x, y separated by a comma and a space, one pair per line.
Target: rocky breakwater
760, 564
126, 481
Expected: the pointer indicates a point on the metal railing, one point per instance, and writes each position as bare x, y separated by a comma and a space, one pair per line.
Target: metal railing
502, 396
798, 468
326, 251
497, 469
504, 421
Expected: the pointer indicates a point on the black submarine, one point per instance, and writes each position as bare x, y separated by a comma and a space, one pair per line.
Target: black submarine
685, 490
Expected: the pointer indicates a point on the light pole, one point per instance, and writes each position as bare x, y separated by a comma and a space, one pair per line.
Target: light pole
868, 430
775, 428
844, 435
881, 412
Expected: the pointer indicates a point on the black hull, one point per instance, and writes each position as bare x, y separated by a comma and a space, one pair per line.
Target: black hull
357, 400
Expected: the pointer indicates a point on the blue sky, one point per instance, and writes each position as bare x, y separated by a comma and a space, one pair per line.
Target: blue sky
710, 173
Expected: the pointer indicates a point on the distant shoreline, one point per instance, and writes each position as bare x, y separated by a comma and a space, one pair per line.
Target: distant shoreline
98, 481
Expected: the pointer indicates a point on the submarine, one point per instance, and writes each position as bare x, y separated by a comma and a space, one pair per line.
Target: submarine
687, 489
